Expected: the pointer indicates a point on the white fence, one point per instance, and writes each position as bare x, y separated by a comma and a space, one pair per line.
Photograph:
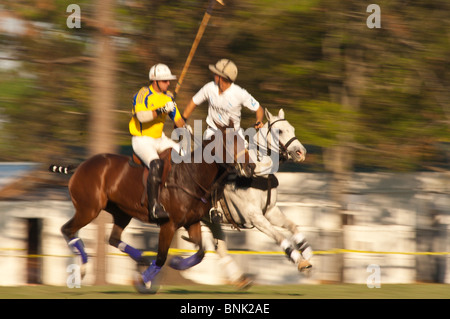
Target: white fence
400, 224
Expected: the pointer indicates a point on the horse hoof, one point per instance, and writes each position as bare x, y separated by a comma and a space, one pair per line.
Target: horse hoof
304, 266
244, 283
145, 288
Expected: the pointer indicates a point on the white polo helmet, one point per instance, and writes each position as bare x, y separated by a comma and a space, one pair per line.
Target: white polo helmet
160, 72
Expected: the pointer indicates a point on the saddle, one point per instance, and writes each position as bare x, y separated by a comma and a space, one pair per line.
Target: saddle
166, 156
258, 182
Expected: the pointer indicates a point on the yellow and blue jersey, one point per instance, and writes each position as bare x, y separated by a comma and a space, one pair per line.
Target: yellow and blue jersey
147, 99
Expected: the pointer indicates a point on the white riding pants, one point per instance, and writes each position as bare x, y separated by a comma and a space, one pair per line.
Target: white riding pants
149, 148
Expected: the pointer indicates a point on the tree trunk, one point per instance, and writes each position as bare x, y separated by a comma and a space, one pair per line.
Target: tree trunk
338, 159
101, 124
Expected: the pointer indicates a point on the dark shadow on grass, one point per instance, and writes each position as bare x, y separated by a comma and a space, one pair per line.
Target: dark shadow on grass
119, 292
73, 293
182, 291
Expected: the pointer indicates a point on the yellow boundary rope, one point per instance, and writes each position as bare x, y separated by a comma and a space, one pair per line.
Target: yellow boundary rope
177, 251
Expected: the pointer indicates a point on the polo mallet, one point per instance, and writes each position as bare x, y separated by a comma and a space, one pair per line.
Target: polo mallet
198, 37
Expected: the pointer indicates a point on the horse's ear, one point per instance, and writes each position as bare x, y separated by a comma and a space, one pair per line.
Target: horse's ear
268, 115
281, 114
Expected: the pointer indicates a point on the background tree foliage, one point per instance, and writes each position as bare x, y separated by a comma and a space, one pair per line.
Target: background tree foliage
359, 98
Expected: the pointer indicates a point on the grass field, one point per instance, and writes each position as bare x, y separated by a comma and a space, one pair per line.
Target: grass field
329, 291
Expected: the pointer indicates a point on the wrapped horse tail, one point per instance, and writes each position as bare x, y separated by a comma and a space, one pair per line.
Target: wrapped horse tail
60, 169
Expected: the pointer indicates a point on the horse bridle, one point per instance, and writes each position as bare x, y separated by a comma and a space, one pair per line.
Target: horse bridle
283, 148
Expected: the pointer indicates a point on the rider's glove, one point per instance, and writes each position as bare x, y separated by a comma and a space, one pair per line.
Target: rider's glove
169, 107
258, 125
189, 128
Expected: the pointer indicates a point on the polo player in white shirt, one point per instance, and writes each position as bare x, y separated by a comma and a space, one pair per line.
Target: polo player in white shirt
225, 99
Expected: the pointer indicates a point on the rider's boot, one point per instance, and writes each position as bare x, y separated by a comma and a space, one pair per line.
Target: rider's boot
156, 211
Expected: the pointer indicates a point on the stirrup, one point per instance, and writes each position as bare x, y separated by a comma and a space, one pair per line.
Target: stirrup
157, 213
215, 215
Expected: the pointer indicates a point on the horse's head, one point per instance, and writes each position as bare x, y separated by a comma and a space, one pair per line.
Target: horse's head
234, 151
289, 146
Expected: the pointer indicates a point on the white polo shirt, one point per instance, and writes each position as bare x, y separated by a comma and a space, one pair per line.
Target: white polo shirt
226, 106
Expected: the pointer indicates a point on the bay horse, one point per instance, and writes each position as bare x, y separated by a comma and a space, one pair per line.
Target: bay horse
112, 183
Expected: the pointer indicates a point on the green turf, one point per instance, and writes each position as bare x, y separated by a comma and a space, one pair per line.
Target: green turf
330, 291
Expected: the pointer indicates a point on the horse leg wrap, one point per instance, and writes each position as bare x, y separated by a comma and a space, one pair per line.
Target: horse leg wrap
151, 272
303, 246
290, 251
76, 244
180, 263
134, 253
234, 273
306, 251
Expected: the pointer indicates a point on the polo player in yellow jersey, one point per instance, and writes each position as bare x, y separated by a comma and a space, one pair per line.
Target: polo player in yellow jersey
151, 105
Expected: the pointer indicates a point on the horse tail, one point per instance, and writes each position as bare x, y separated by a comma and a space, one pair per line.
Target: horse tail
67, 170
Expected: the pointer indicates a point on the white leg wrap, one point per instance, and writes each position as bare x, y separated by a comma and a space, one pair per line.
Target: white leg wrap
298, 238
307, 253
285, 244
232, 270
122, 246
295, 256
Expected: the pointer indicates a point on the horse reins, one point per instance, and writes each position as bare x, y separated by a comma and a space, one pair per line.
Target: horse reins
207, 192
283, 148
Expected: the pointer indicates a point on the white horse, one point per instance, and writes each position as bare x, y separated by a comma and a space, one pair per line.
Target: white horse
252, 206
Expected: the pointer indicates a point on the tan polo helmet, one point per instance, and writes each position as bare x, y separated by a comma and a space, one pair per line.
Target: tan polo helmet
225, 68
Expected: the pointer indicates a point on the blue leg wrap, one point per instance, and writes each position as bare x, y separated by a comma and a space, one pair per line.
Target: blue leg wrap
78, 247
151, 272
180, 263
134, 253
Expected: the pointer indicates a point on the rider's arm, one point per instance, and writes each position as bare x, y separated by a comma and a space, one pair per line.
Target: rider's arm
180, 122
150, 115
249, 102
189, 109
201, 96
259, 117
175, 115
140, 106
146, 116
